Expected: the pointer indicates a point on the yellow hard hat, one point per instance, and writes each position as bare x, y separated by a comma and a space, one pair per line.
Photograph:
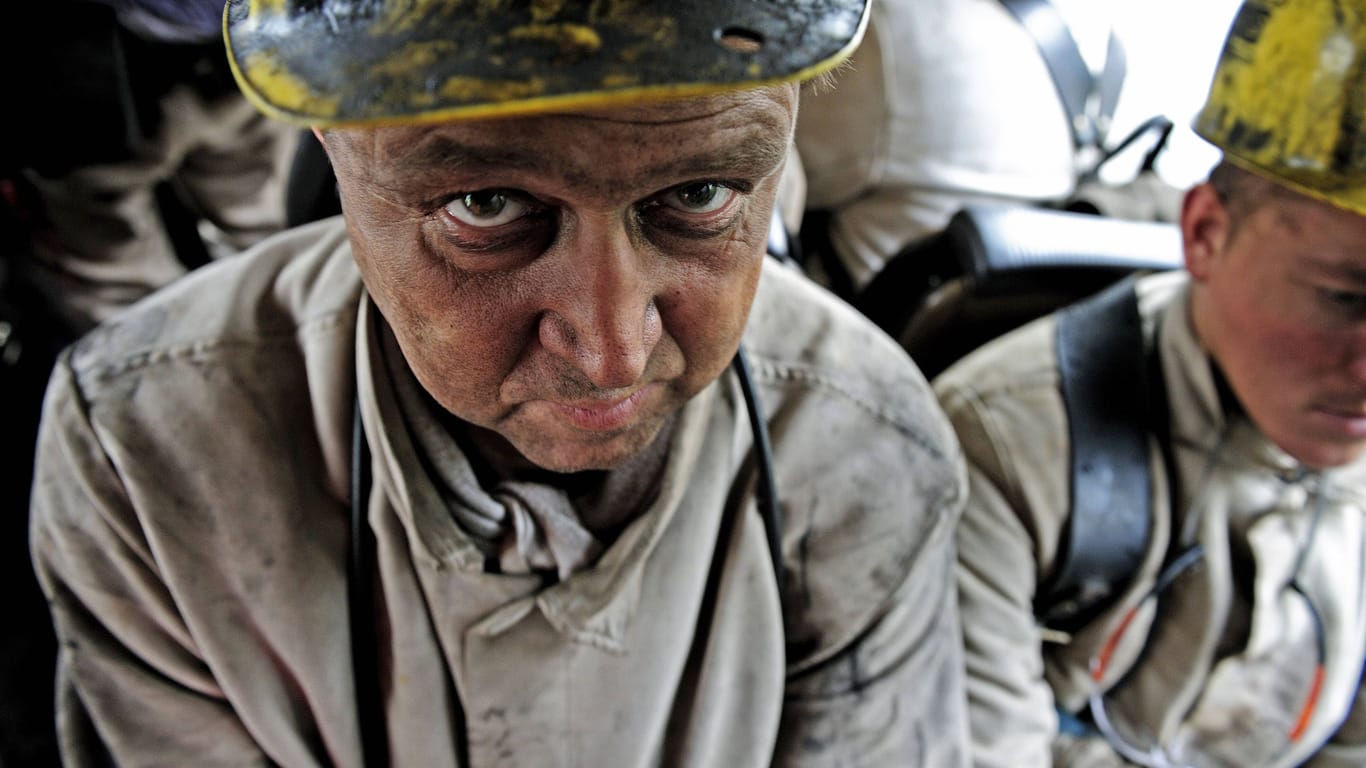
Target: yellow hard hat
1288, 99
346, 62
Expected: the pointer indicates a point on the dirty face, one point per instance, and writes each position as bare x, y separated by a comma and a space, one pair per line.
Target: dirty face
566, 282
1280, 302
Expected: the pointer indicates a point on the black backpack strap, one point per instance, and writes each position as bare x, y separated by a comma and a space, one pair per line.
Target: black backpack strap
1088, 100
1104, 378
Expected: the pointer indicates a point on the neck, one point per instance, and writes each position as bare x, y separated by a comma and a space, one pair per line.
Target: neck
605, 500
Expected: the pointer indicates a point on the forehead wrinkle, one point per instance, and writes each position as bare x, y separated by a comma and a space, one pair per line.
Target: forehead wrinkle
749, 103
771, 107
439, 152
742, 137
756, 153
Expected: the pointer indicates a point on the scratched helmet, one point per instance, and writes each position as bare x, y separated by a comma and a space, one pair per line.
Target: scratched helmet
348, 62
1288, 99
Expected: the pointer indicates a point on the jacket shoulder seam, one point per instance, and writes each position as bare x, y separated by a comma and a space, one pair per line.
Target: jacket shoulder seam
105, 370
776, 372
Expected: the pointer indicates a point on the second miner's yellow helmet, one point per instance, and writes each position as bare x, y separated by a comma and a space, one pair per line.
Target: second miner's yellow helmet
347, 62
1288, 99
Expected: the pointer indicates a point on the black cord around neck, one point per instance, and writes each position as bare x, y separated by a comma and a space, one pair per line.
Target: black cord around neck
766, 488
360, 599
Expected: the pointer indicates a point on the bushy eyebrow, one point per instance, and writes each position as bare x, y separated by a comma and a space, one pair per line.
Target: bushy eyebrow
1340, 270
755, 155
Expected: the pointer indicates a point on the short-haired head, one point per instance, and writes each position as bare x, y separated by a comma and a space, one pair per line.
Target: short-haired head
1243, 192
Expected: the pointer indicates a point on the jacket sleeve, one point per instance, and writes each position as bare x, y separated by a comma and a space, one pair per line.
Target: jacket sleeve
1011, 709
871, 496
894, 696
132, 686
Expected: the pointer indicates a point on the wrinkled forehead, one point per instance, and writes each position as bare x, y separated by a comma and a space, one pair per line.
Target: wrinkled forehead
744, 133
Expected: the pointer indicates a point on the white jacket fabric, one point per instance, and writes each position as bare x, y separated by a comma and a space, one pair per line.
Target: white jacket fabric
1221, 671
190, 528
945, 103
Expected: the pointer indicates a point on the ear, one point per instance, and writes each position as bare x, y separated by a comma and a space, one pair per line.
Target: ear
1205, 229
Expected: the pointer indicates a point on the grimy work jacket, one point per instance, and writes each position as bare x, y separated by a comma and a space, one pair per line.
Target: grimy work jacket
1220, 674
190, 527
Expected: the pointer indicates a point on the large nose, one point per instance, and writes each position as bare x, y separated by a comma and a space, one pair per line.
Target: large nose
604, 320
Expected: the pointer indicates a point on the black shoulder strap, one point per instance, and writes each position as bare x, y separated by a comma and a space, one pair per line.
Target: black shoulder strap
1088, 100
1104, 377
